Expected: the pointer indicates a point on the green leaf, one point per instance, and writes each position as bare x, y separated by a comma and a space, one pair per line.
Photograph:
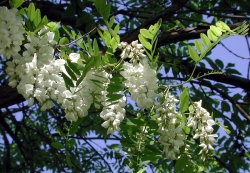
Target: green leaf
144, 42
57, 145
70, 72
142, 170
90, 64
184, 99
37, 18
16, 3
205, 40
199, 46
63, 41
232, 71
115, 87
68, 160
73, 129
114, 42
114, 97
67, 30
193, 53
211, 36
73, 67
211, 63
67, 80
111, 21
72, 142
96, 48
186, 129
106, 11
238, 121
225, 106
181, 163
146, 34
60, 132
31, 11
134, 122
219, 63
116, 30
216, 31
189, 169
117, 79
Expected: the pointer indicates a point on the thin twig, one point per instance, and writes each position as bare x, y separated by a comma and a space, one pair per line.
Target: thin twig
64, 45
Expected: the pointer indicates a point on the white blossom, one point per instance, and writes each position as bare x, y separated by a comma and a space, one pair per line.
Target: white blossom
11, 32
141, 82
170, 127
134, 51
201, 121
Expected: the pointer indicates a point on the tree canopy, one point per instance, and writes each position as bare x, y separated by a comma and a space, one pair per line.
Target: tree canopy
113, 37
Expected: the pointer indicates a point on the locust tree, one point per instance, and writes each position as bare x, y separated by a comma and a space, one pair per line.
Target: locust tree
122, 86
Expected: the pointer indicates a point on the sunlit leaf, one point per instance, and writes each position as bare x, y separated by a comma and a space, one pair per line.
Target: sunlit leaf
211, 36
145, 43
16, 3
193, 54
184, 100
199, 46
205, 40
63, 41
216, 30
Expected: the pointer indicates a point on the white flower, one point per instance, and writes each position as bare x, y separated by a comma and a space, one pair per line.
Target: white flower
74, 57
202, 123
141, 82
172, 137
113, 114
11, 32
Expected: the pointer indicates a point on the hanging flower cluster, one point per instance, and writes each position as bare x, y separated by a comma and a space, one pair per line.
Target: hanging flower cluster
141, 82
38, 74
201, 121
35, 73
172, 136
11, 32
134, 51
77, 101
113, 114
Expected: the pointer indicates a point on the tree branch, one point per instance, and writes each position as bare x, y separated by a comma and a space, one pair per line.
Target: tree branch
165, 14
9, 96
236, 81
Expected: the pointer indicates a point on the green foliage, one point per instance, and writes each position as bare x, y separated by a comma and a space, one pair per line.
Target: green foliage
214, 35
148, 38
70, 146
16, 3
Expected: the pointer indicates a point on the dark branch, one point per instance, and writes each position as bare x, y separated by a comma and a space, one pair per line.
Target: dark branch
236, 81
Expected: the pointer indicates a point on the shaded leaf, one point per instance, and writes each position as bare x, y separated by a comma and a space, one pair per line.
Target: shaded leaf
181, 163
184, 99
113, 97
57, 145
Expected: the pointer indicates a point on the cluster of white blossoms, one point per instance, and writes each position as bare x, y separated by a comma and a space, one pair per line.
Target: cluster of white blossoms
141, 81
113, 114
36, 73
133, 51
11, 32
78, 100
201, 121
172, 136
